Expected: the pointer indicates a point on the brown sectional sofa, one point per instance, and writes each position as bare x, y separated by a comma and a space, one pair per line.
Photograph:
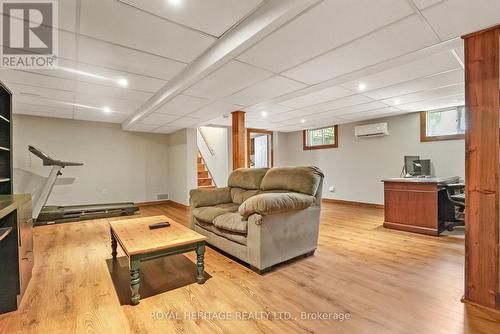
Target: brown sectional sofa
264, 216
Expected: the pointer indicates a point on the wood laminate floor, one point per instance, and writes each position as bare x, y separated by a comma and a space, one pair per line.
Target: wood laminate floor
388, 281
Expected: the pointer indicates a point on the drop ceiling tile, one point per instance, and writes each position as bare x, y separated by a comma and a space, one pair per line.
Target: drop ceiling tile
327, 94
39, 101
219, 121
430, 82
421, 4
227, 80
115, 104
459, 17
214, 110
143, 127
98, 116
211, 17
185, 122
426, 95
357, 109
120, 58
102, 76
60, 111
47, 93
113, 92
400, 38
265, 90
140, 30
282, 117
441, 62
322, 28
267, 107
158, 119
183, 105
448, 101
167, 129
34, 79
340, 103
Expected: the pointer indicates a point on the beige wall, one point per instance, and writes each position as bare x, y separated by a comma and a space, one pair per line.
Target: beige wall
357, 166
182, 175
119, 165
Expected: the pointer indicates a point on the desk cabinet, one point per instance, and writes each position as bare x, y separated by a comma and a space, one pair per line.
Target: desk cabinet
412, 204
16, 250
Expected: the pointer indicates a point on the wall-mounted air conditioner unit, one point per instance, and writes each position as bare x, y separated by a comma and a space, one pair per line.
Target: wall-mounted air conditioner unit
371, 130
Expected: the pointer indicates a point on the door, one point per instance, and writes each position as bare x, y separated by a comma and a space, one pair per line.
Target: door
259, 148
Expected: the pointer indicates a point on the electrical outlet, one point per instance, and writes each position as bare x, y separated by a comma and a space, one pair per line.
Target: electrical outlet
331, 189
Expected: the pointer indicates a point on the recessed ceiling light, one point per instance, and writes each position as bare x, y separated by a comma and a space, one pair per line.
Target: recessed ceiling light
362, 86
397, 101
107, 110
122, 82
175, 3
263, 114
302, 120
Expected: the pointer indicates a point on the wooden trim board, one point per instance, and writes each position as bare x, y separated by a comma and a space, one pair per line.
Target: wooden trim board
353, 203
165, 202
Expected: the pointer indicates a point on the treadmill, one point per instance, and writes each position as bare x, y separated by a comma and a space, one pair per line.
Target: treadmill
43, 215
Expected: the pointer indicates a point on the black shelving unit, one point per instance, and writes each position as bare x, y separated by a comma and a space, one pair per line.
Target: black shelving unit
5, 140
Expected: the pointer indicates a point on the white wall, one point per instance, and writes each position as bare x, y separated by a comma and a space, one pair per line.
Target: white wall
182, 175
217, 164
119, 166
357, 166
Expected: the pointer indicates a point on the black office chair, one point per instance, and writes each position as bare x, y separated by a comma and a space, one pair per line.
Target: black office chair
451, 206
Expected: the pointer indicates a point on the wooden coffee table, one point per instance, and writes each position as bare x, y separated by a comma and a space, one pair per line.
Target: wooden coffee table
142, 244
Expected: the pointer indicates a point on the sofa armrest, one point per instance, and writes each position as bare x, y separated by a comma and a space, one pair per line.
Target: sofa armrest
209, 197
272, 203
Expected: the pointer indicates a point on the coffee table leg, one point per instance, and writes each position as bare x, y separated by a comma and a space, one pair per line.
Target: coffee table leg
200, 252
114, 245
135, 281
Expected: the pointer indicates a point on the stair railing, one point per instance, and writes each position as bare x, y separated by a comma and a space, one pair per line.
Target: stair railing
210, 149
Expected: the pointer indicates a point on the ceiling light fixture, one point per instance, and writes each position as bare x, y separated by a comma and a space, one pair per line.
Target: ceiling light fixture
302, 120
120, 81
397, 101
362, 86
107, 110
264, 114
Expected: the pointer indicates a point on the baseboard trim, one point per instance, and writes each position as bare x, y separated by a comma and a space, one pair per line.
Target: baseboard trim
486, 308
353, 203
411, 228
164, 202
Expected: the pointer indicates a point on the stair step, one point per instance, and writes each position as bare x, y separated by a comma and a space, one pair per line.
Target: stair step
206, 187
204, 181
203, 174
201, 168
200, 160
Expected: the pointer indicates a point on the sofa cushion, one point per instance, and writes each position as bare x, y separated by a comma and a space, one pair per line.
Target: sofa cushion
207, 214
272, 203
239, 195
236, 237
207, 197
231, 222
304, 180
246, 178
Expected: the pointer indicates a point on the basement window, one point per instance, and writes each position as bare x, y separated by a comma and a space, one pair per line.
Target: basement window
326, 137
442, 124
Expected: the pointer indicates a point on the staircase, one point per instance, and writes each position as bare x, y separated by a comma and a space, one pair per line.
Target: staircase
204, 179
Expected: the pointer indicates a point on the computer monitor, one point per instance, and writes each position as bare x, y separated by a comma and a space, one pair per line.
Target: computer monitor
410, 165
414, 166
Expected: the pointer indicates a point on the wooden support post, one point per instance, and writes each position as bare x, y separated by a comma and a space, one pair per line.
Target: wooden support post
482, 167
238, 139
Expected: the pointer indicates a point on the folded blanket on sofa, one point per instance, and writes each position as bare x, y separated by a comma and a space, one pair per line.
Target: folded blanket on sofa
272, 203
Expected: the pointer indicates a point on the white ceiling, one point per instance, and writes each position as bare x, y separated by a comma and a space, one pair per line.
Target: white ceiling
306, 73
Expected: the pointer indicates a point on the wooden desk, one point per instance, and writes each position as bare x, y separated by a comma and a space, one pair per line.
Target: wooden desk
411, 204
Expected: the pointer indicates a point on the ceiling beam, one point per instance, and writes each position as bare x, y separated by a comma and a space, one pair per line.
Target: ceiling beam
270, 16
